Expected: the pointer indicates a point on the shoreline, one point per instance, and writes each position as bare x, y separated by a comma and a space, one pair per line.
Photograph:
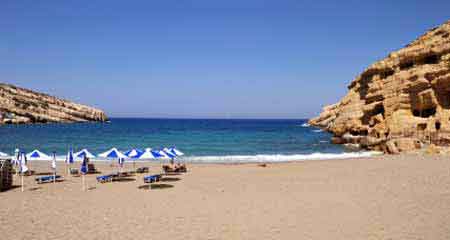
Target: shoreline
243, 159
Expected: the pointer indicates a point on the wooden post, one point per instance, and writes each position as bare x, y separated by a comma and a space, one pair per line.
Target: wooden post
83, 182
21, 181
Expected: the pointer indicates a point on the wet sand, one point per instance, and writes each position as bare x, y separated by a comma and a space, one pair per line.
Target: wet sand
386, 197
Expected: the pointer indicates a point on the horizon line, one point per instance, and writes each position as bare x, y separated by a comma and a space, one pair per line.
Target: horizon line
206, 118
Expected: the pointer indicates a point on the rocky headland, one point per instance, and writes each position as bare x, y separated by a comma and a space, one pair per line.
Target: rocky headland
20, 106
398, 104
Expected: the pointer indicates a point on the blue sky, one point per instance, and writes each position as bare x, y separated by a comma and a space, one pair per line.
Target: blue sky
203, 58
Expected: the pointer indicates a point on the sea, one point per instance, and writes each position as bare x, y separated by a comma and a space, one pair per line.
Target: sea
202, 140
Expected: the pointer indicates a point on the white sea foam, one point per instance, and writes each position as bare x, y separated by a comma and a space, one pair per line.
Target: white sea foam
278, 158
255, 158
305, 125
317, 130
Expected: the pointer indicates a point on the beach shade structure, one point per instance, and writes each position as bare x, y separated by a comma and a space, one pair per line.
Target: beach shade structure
133, 153
148, 154
15, 160
112, 153
54, 161
169, 154
22, 168
84, 170
164, 155
84, 166
16, 156
69, 160
84, 153
69, 157
38, 155
54, 167
176, 152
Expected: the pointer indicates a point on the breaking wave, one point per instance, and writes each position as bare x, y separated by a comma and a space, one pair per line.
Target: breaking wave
253, 158
277, 158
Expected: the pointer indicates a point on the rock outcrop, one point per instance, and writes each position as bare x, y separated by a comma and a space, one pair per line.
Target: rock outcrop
399, 103
19, 105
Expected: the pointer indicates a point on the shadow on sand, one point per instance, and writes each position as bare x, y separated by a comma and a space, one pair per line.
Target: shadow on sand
155, 186
170, 179
171, 174
57, 181
11, 188
43, 174
34, 188
124, 179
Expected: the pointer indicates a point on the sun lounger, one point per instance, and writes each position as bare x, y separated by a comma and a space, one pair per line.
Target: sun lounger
174, 168
142, 170
74, 171
114, 177
152, 178
125, 174
46, 179
105, 178
91, 168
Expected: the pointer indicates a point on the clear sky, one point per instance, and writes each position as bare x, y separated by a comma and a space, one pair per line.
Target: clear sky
203, 58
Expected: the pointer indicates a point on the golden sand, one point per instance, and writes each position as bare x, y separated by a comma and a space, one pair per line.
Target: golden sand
387, 197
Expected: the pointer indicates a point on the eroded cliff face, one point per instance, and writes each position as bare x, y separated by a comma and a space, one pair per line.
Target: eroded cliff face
19, 105
399, 103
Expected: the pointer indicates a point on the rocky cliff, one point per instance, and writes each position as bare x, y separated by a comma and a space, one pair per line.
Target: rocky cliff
19, 105
400, 103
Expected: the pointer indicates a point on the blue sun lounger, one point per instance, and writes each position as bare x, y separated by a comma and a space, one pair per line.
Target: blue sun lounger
46, 179
105, 178
152, 178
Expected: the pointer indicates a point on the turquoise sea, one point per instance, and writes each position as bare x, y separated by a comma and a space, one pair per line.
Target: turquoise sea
202, 140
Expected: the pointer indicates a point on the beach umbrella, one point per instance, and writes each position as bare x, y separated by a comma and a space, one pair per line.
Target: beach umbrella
69, 157
84, 170
22, 168
164, 155
133, 153
148, 154
84, 166
112, 153
54, 161
38, 155
54, 167
84, 153
169, 153
69, 160
176, 152
16, 157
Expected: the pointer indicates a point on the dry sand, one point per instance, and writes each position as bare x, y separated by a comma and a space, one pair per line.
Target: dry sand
388, 197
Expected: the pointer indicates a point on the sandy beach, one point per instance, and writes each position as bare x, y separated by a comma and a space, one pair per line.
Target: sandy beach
385, 197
